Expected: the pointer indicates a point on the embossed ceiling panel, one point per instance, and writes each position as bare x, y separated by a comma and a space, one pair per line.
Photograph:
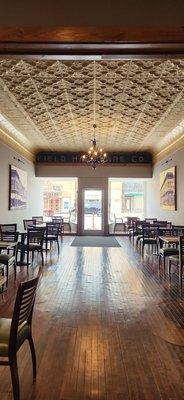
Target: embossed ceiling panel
135, 104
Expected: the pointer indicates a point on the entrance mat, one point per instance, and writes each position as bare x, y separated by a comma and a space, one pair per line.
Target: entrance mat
95, 241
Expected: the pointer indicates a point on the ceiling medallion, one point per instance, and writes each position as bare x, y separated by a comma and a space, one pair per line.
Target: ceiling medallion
95, 156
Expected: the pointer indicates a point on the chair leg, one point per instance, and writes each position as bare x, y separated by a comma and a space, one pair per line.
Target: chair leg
42, 258
180, 275
164, 263
33, 355
27, 259
159, 259
58, 246
7, 274
169, 269
15, 378
15, 270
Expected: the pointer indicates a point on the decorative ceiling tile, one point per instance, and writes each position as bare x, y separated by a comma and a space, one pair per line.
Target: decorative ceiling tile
135, 104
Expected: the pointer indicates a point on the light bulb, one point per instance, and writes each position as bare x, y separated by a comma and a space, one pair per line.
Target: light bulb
105, 155
89, 152
83, 156
95, 153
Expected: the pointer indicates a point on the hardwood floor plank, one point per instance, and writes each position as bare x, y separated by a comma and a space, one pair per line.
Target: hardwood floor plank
107, 325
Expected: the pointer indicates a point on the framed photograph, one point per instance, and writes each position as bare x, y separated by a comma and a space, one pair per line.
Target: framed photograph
168, 189
17, 188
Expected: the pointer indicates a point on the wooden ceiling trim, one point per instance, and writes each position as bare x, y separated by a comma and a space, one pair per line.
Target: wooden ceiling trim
91, 34
123, 43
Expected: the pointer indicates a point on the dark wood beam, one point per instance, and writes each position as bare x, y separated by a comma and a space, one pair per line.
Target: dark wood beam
107, 43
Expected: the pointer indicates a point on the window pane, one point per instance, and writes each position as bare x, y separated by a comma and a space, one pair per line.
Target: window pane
92, 209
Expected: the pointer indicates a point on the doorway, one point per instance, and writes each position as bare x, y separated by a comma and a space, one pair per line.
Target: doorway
93, 212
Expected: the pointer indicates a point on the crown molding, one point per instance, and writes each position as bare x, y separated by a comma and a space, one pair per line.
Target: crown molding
9, 141
171, 148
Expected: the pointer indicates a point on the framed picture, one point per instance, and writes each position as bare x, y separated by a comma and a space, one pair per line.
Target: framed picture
17, 188
168, 189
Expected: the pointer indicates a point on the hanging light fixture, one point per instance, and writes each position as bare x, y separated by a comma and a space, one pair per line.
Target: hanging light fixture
95, 156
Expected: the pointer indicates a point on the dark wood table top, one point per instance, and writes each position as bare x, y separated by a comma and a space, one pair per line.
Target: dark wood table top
169, 239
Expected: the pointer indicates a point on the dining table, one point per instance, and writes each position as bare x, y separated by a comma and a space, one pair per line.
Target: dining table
169, 240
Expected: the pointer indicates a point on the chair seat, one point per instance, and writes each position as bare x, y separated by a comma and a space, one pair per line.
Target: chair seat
50, 237
175, 259
149, 240
168, 251
31, 247
5, 325
6, 258
139, 237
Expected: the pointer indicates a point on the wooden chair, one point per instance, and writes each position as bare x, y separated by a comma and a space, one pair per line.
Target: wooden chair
134, 231
178, 260
140, 226
39, 220
8, 259
34, 243
56, 220
52, 234
168, 251
14, 332
118, 222
29, 223
178, 230
149, 237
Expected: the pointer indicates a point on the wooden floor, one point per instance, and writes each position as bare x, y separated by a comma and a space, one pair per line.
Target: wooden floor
106, 325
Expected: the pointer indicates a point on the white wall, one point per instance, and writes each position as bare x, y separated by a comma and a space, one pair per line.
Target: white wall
35, 189
153, 196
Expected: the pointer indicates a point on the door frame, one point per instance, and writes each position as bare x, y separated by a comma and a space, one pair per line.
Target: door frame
92, 232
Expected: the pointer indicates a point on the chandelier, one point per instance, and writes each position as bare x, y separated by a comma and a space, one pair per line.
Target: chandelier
94, 156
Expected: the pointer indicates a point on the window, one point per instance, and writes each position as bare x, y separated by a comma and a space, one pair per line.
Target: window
126, 198
59, 197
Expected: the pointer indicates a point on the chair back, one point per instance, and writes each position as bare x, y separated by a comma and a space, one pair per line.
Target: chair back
52, 228
35, 236
160, 223
39, 220
149, 231
131, 220
7, 228
181, 249
28, 223
56, 220
178, 230
162, 231
151, 220
135, 225
23, 310
11, 237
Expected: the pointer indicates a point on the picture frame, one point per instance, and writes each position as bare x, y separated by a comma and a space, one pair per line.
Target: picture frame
168, 189
17, 188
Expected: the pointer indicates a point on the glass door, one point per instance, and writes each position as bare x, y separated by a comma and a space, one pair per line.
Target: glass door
93, 223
